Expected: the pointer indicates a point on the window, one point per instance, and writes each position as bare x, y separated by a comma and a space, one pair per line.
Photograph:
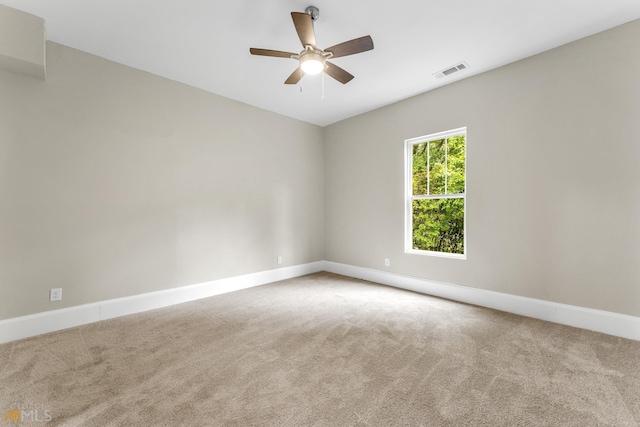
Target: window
435, 194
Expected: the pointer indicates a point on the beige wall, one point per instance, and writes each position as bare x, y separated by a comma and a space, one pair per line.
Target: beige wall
553, 168
22, 43
115, 182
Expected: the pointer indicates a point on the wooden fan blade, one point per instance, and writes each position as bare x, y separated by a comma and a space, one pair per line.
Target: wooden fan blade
338, 73
351, 47
294, 77
268, 52
304, 27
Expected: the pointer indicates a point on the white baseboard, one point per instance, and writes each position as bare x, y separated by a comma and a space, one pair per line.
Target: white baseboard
55, 320
607, 322
586, 318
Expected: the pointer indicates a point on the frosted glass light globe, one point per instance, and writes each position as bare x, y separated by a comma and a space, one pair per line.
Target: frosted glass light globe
312, 63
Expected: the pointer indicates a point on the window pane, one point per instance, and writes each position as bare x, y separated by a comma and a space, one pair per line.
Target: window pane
438, 225
436, 166
455, 164
420, 157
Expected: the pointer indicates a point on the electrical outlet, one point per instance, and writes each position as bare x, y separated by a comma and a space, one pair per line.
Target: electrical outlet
280, 259
387, 262
55, 294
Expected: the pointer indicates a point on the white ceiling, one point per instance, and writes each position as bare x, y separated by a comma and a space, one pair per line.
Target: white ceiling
205, 43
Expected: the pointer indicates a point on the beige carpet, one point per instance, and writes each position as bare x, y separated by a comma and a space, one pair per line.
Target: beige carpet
324, 350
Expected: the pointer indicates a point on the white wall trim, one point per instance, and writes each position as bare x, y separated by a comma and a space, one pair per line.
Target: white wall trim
607, 322
55, 320
616, 324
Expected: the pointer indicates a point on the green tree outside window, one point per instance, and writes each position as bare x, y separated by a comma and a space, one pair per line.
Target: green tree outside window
438, 194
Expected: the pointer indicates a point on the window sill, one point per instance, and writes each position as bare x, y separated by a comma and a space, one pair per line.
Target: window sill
436, 254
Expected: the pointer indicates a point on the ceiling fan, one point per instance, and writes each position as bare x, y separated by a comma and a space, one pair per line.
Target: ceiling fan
313, 60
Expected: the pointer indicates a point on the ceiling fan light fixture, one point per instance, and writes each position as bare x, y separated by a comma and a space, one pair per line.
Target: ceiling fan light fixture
312, 63
311, 59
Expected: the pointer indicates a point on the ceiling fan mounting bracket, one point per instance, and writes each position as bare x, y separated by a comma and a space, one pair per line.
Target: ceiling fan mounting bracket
313, 11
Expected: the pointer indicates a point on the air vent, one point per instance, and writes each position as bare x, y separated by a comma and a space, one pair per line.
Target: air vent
450, 70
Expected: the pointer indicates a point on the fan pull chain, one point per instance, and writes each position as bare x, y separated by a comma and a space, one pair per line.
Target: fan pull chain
322, 87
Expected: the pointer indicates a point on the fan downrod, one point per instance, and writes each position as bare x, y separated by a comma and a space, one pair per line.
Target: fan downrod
313, 11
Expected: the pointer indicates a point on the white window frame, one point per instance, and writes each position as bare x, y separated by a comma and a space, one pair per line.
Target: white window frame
409, 197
